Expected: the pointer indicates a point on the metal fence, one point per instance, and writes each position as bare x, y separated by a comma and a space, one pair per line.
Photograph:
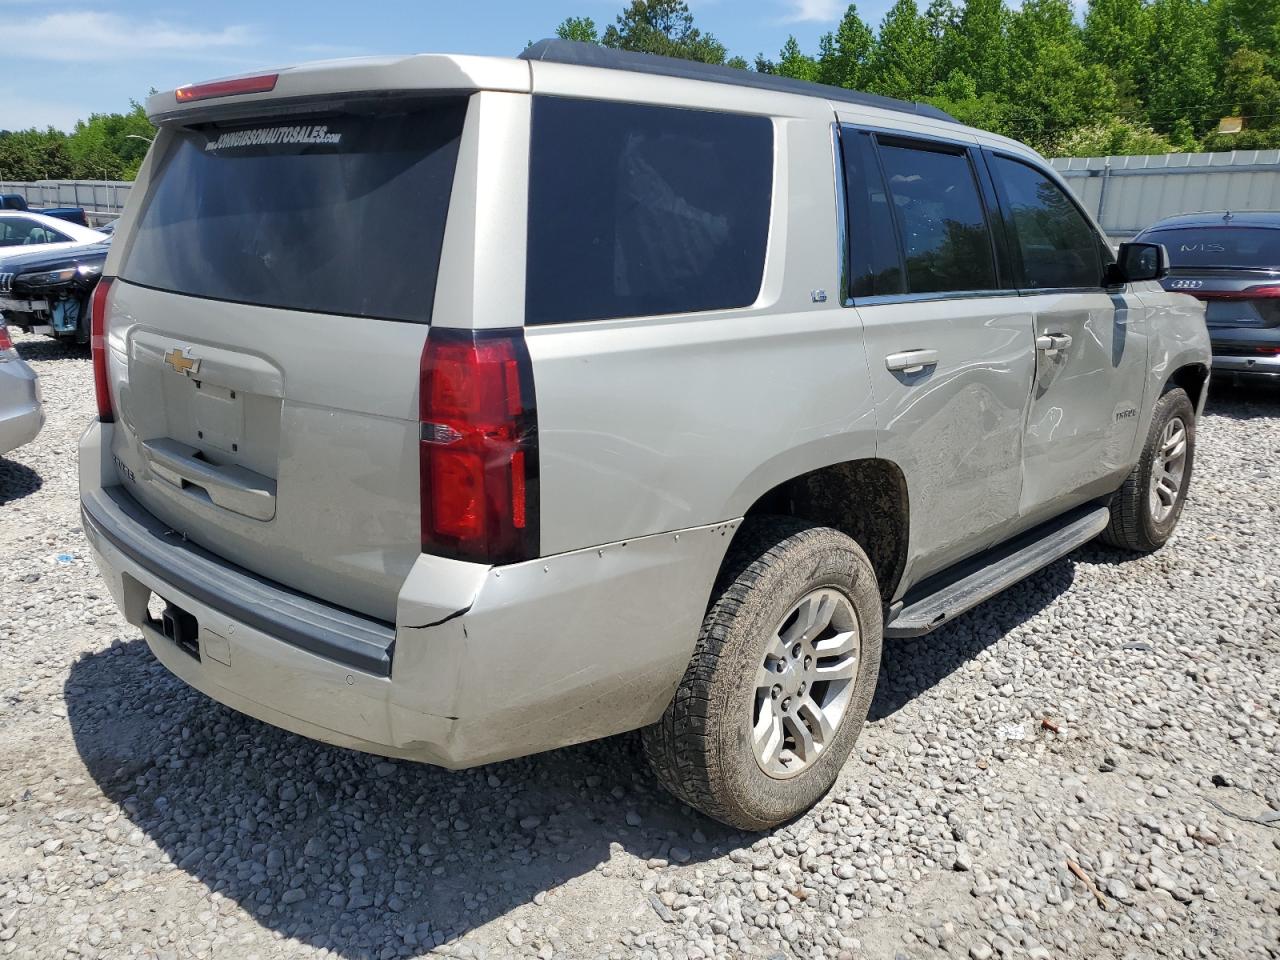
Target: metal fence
1125, 194
1128, 194
102, 200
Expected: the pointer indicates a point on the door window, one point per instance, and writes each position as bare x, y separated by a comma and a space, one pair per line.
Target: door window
640, 210
945, 238
1057, 246
18, 232
874, 266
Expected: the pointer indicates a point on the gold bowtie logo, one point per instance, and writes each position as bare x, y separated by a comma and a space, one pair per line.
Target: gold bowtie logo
181, 363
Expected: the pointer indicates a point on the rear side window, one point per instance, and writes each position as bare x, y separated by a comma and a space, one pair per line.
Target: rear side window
640, 210
19, 232
875, 268
1056, 245
341, 214
941, 220
1219, 246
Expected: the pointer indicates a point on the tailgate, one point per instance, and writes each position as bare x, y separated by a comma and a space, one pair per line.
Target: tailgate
265, 332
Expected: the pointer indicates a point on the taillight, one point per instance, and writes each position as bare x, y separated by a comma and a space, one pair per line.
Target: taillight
1264, 292
5, 342
478, 446
98, 344
192, 92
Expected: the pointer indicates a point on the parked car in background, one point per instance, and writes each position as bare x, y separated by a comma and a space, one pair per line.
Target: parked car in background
1231, 261
21, 232
21, 412
49, 291
696, 384
15, 201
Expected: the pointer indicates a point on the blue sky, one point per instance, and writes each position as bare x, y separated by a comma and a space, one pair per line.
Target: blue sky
67, 59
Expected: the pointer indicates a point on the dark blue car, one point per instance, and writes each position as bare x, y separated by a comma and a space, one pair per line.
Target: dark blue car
1232, 262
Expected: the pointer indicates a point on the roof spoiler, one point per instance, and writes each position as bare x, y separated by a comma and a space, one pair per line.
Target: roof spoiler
579, 54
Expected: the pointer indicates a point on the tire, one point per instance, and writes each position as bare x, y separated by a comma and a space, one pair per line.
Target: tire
702, 749
1138, 522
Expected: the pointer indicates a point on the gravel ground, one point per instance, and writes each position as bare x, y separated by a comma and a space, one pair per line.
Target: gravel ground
1066, 772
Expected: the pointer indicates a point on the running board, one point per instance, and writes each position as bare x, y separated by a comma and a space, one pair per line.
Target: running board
1010, 563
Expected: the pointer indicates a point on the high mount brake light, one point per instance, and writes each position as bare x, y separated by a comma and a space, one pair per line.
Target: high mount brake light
98, 345
226, 88
478, 446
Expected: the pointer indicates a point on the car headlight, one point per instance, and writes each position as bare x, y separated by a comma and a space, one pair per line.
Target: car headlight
89, 269
53, 276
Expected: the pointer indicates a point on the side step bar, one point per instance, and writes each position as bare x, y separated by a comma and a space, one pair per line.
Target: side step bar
997, 571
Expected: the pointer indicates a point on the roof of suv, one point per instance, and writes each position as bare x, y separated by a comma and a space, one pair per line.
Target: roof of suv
578, 54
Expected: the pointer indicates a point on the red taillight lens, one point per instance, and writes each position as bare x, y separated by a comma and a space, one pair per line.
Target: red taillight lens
226, 88
479, 446
5, 342
98, 344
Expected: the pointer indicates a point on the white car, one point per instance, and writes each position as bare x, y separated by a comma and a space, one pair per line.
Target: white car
21, 413
21, 231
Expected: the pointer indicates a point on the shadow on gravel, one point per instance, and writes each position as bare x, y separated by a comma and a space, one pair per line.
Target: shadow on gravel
48, 349
350, 852
1243, 399
17, 480
909, 668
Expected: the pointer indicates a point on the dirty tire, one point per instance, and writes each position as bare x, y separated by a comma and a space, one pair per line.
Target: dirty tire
701, 750
1134, 525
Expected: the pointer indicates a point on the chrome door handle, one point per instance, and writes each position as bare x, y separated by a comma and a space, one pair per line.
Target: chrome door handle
911, 361
1053, 342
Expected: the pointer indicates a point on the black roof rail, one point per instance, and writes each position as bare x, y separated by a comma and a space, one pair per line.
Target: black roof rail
594, 55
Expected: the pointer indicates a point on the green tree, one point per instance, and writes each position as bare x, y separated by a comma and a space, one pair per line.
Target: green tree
664, 27
1050, 80
1113, 137
843, 55
943, 20
1116, 34
581, 29
110, 146
1181, 74
34, 155
1251, 23
1250, 90
979, 50
902, 64
792, 62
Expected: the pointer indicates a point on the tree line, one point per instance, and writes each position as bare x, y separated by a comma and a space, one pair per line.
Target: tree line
1130, 77
107, 146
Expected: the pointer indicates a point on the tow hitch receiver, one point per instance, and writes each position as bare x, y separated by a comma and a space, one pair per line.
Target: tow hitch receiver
180, 627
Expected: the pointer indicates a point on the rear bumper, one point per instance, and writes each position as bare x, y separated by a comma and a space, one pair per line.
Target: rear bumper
483, 663
21, 413
1262, 366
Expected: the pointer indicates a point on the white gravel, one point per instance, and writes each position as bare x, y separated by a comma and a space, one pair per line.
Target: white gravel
1098, 721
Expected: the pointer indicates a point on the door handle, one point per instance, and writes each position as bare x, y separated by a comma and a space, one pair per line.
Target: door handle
911, 361
1053, 342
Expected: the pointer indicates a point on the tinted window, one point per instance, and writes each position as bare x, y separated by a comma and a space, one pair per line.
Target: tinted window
343, 214
638, 210
874, 268
1219, 246
19, 232
1057, 246
940, 218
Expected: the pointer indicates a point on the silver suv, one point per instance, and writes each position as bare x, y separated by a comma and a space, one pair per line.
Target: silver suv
456, 408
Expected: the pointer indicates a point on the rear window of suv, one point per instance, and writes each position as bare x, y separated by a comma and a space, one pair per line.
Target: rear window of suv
1219, 246
640, 210
342, 214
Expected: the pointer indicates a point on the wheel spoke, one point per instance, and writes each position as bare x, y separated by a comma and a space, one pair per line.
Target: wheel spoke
805, 748
1167, 490
837, 645
816, 721
844, 668
767, 733
1175, 447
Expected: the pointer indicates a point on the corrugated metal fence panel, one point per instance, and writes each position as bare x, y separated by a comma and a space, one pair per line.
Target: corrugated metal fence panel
1127, 194
102, 200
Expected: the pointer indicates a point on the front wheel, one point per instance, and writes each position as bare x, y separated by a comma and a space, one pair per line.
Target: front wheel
1147, 507
780, 681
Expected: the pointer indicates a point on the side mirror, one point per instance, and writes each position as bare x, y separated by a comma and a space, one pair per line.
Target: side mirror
1140, 261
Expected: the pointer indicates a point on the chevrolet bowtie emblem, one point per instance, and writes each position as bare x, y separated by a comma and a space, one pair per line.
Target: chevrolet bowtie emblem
181, 363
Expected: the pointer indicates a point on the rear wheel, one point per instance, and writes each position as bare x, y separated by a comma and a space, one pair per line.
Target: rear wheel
1148, 505
781, 680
